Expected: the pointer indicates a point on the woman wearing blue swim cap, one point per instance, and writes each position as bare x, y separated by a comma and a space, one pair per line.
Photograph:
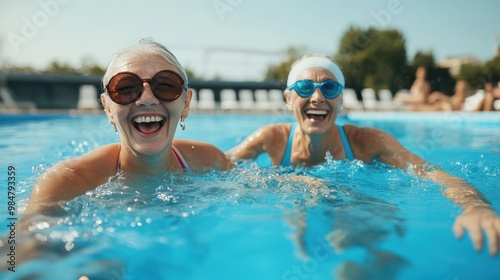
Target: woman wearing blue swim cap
314, 95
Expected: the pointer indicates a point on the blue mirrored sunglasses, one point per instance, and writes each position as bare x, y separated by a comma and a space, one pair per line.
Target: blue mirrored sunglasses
305, 88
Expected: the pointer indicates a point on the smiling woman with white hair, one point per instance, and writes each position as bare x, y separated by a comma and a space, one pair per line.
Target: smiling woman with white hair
146, 96
314, 95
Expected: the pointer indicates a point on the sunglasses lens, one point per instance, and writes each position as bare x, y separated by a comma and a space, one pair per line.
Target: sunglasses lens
124, 88
167, 85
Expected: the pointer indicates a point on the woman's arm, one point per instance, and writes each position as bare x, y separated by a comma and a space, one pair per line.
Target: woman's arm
477, 215
257, 143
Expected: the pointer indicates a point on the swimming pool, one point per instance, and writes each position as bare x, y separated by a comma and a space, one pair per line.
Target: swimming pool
257, 222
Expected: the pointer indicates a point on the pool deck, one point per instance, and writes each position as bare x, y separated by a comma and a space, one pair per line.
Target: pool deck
458, 116
492, 117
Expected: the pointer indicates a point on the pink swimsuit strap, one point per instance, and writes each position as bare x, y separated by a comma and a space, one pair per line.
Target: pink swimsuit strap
180, 159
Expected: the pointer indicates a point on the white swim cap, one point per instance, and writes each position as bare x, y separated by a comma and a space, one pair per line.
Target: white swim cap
315, 62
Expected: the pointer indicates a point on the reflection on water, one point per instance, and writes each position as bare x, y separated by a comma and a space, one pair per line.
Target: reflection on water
175, 222
357, 222
365, 222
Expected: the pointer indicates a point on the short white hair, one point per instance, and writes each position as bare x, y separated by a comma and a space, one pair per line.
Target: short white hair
144, 46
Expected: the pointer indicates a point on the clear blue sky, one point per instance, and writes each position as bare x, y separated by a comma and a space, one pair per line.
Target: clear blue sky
236, 39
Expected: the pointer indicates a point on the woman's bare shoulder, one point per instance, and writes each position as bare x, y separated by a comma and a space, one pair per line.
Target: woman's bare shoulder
367, 142
192, 146
73, 177
102, 158
361, 133
277, 131
202, 155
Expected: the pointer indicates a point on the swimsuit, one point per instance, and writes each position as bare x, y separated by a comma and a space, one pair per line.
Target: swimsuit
180, 159
288, 152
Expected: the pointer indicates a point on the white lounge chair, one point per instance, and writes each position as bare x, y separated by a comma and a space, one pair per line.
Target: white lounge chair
276, 99
262, 102
9, 104
370, 102
88, 98
496, 105
228, 101
207, 100
471, 102
350, 101
386, 100
246, 100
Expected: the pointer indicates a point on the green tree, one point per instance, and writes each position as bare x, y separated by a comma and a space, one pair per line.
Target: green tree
491, 69
479, 74
425, 59
279, 72
190, 74
57, 67
93, 70
373, 58
470, 73
90, 67
11, 68
439, 78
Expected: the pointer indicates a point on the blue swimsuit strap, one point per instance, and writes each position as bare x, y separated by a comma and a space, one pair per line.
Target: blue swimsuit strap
345, 142
288, 152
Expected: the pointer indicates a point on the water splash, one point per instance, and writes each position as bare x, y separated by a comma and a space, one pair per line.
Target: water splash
349, 207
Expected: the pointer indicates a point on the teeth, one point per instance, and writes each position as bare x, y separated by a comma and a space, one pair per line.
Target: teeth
316, 112
148, 119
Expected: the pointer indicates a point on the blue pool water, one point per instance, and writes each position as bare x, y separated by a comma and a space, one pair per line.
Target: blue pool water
256, 222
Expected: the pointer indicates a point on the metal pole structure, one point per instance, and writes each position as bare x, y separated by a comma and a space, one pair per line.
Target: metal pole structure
208, 51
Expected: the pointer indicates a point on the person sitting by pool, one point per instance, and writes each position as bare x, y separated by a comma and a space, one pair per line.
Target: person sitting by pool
146, 94
439, 101
486, 103
314, 95
419, 90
